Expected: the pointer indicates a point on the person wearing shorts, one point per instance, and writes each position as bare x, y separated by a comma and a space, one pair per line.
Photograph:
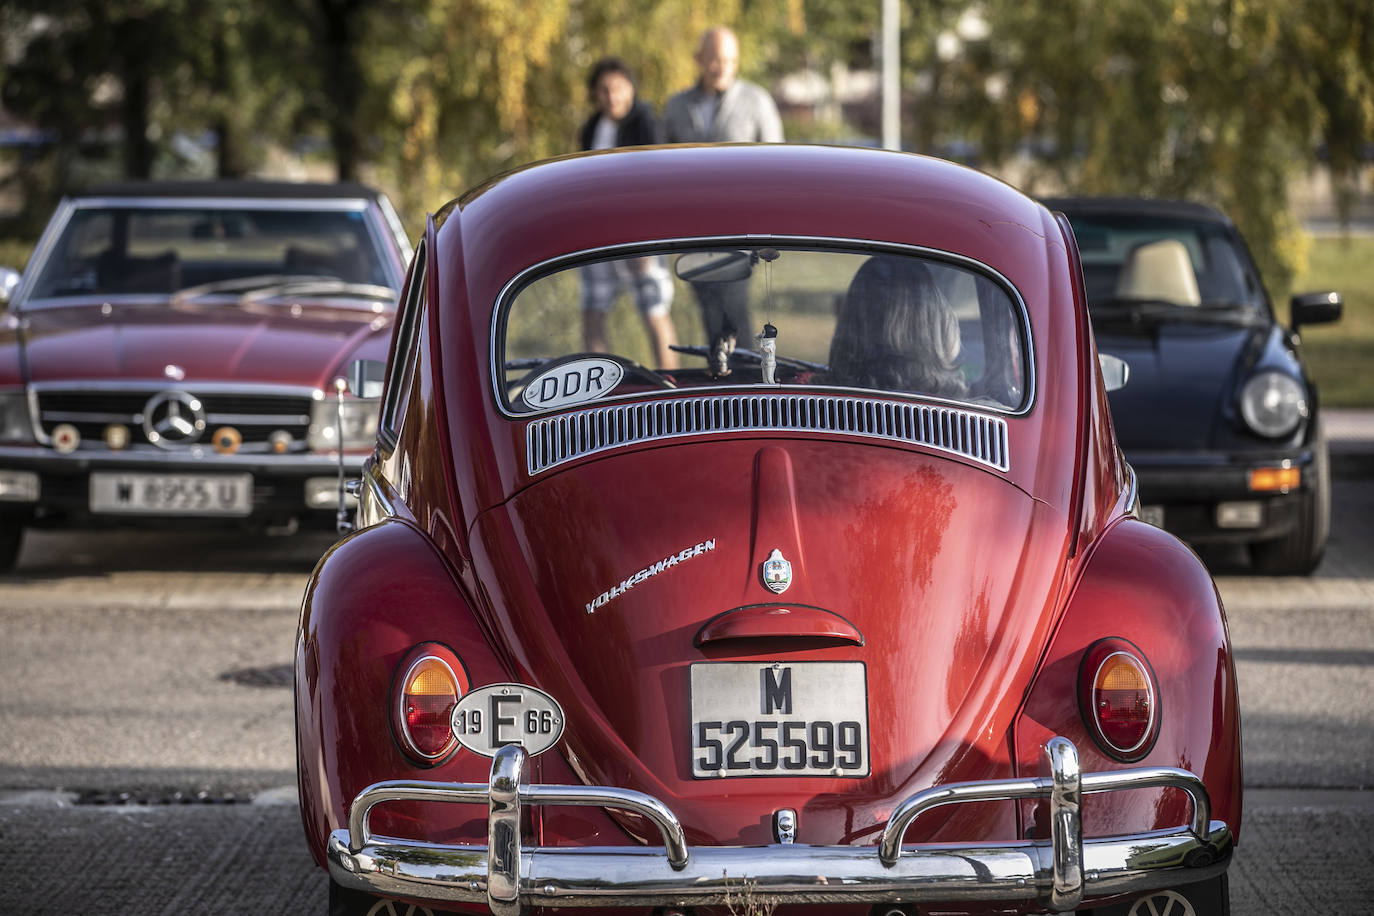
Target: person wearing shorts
620, 119
650, 284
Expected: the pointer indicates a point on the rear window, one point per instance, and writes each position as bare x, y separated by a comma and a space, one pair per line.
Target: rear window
891, 322
1183, 262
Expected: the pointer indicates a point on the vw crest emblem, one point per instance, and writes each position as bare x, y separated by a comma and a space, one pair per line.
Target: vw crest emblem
777, 572
173, 418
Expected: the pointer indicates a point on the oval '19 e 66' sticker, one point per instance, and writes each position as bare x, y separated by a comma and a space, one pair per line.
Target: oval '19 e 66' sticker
572, 383
492, 717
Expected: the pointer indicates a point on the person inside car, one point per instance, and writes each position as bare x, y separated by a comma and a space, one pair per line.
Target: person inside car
896, 331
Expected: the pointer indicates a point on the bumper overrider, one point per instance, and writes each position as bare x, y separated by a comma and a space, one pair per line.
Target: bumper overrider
1057, 873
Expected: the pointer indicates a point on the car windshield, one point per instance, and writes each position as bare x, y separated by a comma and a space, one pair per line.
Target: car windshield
1163, 266
892, 322
160, 251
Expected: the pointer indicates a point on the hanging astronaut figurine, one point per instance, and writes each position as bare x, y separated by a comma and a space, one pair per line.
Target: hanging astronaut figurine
768, 353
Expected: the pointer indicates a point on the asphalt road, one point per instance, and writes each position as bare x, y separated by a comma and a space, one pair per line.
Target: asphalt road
146, 763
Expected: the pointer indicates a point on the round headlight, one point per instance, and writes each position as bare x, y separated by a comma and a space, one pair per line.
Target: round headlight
1273, 404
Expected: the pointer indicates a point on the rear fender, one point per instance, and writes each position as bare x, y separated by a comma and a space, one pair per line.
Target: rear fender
372, 599
1143, 585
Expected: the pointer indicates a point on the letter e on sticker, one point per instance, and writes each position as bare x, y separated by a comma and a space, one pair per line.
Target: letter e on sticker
574, 382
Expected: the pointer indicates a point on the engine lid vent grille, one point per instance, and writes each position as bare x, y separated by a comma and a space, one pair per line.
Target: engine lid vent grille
555, 440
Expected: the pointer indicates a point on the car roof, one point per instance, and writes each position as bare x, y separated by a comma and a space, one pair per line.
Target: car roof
273, 190
582, 203
1142, 206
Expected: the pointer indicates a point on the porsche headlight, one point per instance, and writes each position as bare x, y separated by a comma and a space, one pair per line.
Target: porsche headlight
1273, 404
14, 417
355, 417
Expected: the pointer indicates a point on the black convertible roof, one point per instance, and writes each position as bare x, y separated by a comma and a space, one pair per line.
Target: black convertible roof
1136, 206
277, 190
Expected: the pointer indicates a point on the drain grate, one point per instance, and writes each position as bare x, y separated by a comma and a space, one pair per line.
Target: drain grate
152, 797
269, 676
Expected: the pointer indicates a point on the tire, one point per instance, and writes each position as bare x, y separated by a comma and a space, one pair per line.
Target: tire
344, 901
1300, 551
11, 539
1206, 898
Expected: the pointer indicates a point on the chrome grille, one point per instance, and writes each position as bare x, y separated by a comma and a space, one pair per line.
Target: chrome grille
256, 415
552, 441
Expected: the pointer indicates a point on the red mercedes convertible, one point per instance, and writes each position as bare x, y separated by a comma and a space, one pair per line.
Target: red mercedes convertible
746, 529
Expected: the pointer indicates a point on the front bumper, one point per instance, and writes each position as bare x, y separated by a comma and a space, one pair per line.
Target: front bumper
1058, 873
279, 484
1191, 488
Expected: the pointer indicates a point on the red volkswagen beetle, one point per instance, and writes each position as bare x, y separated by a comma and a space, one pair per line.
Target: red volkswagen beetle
746, 528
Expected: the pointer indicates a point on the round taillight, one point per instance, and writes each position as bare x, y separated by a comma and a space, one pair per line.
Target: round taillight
1119, 699
429, 687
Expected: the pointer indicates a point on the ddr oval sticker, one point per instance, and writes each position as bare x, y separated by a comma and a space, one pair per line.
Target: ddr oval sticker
572, 383
489, 718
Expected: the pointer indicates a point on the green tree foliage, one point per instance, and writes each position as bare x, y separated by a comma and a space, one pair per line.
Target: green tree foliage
1221, 100
1218, 100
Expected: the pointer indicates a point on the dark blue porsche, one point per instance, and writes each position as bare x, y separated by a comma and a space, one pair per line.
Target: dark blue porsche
1219, 417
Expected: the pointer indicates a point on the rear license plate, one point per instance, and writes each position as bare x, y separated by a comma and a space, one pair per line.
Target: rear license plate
171, 494
1152, 515
779, 719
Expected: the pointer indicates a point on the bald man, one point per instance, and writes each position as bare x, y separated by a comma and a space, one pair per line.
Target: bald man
721, 108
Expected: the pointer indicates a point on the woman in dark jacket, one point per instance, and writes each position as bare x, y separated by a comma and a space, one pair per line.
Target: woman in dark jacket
620, 118
623, 120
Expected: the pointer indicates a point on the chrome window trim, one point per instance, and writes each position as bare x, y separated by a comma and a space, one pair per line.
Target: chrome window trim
551, 441
403, 358
63, 215
505, 298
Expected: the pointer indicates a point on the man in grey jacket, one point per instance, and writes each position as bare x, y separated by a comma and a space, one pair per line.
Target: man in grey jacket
721, 108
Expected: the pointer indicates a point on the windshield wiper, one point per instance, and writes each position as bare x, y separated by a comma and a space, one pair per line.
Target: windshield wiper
271, 286
753, 357
1154, 311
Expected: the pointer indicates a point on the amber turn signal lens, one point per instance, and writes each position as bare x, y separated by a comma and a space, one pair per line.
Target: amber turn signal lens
427, 699
226, 440
1275, 480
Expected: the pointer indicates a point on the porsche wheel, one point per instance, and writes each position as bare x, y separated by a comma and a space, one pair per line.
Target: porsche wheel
1207, 898
1299, 551
344, 901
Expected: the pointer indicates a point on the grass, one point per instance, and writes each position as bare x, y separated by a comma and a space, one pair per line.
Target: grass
14, 253
1341, 355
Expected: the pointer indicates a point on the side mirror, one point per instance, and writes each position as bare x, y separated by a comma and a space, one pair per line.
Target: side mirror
365, 378
714, 266
9, 281
1115, 371
1314, 308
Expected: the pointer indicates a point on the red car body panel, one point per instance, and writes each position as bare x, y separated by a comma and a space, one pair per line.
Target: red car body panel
974, 592
85, 342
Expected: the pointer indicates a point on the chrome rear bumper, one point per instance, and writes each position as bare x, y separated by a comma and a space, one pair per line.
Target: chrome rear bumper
1057, 873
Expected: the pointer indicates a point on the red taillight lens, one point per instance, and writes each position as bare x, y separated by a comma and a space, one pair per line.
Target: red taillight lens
1119, 699
430, 685
430, 695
